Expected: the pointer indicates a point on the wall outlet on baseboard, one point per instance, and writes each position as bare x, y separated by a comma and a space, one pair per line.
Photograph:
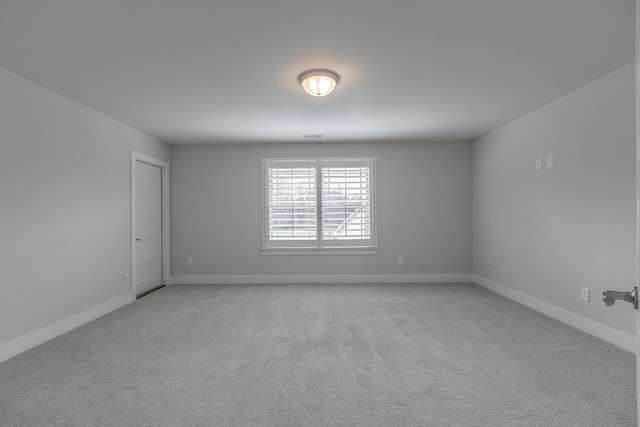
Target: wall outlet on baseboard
489, 264
125, 278
400, 260
189, 262
584, 294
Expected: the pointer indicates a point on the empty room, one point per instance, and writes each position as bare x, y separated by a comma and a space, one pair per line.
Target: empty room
339, 213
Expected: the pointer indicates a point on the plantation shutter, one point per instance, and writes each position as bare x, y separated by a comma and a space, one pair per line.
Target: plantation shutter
346, 203
292, 204
319, 204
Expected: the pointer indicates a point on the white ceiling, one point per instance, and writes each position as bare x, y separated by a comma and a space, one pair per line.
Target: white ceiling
207, 71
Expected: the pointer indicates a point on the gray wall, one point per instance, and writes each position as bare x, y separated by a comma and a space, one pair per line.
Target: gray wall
550, 232
65, 206
424, 210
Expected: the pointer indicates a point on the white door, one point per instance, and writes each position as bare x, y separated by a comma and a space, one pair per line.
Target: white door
148, 227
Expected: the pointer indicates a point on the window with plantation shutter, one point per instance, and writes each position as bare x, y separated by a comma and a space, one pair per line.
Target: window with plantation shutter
319, 206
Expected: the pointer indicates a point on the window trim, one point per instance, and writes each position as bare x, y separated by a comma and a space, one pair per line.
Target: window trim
299, 247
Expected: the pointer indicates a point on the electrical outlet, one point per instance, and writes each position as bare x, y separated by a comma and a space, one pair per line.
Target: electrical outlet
125, 278
190, 262
489, 264
400, 260
538, 164
549, 161
584, 294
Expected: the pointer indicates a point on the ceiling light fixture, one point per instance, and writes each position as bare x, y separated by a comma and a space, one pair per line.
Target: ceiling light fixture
318, 82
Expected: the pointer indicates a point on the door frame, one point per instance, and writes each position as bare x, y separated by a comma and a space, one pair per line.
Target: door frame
637, 143
165, 211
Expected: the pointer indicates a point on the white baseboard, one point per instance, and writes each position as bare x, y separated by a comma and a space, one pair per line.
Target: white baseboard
33, 339
596, 329
322, 278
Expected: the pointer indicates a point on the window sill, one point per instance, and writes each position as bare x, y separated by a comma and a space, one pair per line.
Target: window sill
317, 251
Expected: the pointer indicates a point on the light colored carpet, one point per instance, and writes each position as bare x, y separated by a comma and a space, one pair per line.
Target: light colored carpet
321, 355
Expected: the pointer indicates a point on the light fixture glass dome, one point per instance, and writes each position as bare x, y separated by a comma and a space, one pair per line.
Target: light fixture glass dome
318, 82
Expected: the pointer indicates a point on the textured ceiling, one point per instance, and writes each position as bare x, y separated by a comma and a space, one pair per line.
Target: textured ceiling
203, 71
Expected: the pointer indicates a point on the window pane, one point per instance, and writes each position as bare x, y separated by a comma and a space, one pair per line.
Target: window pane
346, 203
292, 204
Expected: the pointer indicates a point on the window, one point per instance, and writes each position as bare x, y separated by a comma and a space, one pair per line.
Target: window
319, 206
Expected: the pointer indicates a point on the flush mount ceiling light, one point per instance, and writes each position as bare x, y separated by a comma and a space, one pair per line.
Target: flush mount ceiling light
318, 82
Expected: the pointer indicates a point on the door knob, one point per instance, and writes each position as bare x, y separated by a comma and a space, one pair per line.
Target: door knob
610, 297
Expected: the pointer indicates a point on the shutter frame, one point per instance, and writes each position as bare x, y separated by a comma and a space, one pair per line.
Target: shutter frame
357, 221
